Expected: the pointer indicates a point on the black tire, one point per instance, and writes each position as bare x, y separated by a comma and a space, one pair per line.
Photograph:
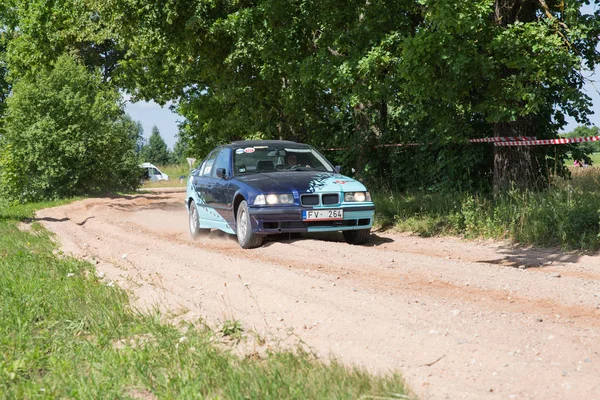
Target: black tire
243, 230
357, 237
194, 222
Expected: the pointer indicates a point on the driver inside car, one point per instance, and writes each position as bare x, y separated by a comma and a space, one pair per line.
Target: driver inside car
292, 161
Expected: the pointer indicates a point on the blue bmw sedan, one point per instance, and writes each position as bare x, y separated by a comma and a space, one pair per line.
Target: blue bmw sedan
257, 188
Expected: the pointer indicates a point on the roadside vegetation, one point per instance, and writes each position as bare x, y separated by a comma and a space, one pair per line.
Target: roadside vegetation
66, 333
567, 215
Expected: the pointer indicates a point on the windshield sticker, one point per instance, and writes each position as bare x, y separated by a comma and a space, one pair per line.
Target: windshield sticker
340, 182
239, 151
249, 150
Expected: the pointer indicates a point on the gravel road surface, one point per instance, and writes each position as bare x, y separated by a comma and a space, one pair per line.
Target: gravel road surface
459, 319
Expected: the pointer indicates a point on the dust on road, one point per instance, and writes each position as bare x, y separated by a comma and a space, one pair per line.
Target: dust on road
458, 319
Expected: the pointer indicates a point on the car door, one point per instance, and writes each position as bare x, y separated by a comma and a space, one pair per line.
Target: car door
203, 185
221, 186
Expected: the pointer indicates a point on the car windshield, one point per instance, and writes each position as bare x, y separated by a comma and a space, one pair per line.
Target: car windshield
257, 159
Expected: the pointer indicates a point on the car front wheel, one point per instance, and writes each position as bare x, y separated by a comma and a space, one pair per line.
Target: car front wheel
359, 236
195, 229
246, 238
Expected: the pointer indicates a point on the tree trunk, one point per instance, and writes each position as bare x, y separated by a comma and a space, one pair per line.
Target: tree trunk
364, 139
515, 165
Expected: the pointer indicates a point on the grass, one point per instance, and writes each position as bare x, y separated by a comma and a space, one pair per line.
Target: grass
565, 216
64, 333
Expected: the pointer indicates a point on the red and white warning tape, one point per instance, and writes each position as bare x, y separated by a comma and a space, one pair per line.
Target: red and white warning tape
502, 141
549, 141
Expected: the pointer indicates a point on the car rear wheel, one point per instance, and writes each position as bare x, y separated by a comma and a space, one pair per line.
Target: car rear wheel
246, 238
195, 229
359, 236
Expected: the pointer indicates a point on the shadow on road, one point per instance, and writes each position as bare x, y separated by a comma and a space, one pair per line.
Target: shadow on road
523, 257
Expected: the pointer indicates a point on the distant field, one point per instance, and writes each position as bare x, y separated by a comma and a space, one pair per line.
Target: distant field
595, 158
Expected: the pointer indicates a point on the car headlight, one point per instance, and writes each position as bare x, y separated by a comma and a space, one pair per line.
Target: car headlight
271, 199
357, 196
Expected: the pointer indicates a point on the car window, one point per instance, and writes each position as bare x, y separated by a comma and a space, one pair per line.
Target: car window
199, 168
210, 160
222, 161
275, 158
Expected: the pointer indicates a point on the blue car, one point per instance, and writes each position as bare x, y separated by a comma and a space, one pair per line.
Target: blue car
257, 188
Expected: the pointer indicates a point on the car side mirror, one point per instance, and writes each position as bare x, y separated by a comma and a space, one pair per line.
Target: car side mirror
193, 172
221, 173
337, 168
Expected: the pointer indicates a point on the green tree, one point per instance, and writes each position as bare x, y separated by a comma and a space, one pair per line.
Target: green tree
65, 135
349, 73
136, 132
156, 151
180, 151
42, 31
581, 151
514, 65
360, 73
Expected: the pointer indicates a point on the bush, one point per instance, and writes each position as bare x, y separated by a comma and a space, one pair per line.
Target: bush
65, 135
566, 217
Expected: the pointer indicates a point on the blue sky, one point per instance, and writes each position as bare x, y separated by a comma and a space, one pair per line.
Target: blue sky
150, 114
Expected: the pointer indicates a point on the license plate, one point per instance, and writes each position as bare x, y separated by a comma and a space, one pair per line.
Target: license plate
322, 215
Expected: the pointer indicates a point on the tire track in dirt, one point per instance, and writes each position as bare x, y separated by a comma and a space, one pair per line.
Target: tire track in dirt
399, 304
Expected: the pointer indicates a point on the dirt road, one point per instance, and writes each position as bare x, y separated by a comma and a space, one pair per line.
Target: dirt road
458, 319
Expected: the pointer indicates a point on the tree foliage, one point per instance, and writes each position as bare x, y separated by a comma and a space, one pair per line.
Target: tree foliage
65, 135
180, 151
582, 150
352, 74
358, 73
156, 150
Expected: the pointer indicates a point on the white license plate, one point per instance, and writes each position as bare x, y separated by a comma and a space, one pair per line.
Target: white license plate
322, 215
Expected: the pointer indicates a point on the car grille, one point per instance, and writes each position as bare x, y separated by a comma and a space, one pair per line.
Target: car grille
315, 199
330, 199
307, 224
310, 200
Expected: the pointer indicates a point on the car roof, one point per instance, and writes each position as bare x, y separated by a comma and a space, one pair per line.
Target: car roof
147, 165
250, 143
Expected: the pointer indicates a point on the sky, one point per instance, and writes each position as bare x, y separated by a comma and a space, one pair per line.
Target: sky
150, 114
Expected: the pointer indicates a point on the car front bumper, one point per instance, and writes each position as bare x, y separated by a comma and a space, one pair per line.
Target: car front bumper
269, 220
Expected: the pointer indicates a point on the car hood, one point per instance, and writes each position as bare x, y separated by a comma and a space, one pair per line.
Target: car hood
301, 181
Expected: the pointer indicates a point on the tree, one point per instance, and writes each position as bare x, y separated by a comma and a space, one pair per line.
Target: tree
4, 38
180, 151
65, 135
353, 73
42, 31
136, 132
156, 150
514, 65
581, 151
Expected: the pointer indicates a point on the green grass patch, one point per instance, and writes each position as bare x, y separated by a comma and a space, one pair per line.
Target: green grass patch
64, 333
566, 216
175, 170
